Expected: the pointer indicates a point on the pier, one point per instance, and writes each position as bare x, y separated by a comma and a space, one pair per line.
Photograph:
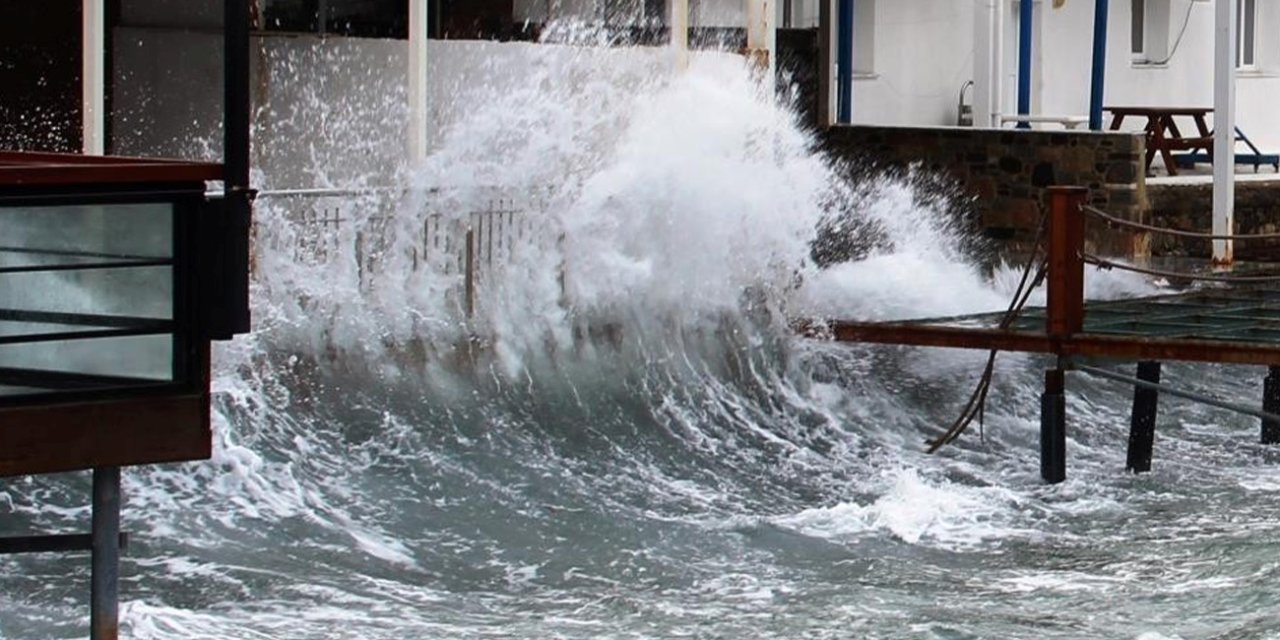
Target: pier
1237, 322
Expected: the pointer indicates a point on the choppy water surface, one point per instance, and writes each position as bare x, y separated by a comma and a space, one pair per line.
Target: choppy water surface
641, 448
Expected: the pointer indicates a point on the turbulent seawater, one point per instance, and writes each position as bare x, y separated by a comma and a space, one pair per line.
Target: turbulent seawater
627, 441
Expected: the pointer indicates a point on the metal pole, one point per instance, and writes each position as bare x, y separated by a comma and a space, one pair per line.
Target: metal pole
1142, 422
104, 597
1224, 109
418, 81
1053, 427
844, 62
232, 315
1025, 26
93, 77
761, 37
1100, 12
1271, 404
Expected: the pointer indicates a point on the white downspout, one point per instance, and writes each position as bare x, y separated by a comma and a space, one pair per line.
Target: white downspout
93, 77
679, 25
761, 37
1224, 118
417, 143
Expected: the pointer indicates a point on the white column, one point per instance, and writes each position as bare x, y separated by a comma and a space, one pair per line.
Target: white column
678, 20
983, 60
1224, 118
998, 39
92, 73
417, 81
761, 36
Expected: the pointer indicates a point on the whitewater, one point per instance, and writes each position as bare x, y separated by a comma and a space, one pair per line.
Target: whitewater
626, 439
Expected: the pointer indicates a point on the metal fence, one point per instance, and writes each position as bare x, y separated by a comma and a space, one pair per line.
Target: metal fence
474, 236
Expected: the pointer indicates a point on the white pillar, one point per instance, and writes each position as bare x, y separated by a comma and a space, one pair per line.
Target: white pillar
417, 81
678, 19
1224, 119
983, 61
92, 73
761, 37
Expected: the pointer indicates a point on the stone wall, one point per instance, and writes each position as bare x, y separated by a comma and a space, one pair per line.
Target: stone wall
1009, 171
1189, 207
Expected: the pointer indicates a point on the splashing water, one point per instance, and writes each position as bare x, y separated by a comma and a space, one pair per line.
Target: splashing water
623, 439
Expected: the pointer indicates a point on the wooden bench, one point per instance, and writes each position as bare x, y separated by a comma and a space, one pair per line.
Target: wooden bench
1068, 122
1255, 157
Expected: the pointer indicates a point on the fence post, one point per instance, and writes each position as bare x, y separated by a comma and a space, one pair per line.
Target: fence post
1065, 311
469, 273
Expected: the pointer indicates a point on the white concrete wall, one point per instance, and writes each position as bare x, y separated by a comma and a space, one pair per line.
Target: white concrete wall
923, 55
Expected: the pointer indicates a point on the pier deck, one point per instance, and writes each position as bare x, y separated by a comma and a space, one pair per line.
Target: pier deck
1230, 325
1236, 320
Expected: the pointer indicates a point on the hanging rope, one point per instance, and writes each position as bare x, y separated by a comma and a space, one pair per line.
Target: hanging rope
975, 408
1103, 263
1120, 222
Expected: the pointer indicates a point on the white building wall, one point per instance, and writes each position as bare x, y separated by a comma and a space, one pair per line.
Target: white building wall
1185, 80
923, 56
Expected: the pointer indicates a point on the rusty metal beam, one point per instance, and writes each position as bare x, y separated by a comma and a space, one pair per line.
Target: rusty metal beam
1085, 344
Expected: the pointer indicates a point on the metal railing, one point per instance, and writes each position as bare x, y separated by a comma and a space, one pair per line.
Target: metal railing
474, 238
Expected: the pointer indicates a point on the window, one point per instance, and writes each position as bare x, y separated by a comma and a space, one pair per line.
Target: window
1138, 30
1149, 31
1246, 25
864, 37
365, 18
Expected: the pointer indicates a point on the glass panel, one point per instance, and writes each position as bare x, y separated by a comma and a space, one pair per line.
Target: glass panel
86, 297
1247, 31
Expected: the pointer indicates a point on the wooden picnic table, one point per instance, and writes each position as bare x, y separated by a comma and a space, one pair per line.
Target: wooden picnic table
1163, 135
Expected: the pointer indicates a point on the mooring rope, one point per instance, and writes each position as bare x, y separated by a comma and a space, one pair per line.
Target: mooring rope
1103, 263
975, 408
1120, 222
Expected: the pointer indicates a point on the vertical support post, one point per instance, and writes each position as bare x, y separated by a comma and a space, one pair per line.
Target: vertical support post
469, 274
1065, 309
826, 64
761, 39
1025, 28
1271, 404
1098, 78
1053, 427
1224, 120
787, 10
93, 70
983, 61
104, 597
1142, 423
679, 21
230, 307
417, 81
844, 62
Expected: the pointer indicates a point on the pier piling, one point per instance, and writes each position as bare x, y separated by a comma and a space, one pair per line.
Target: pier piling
104, 593
1053, 427
1271, 404
1142, 424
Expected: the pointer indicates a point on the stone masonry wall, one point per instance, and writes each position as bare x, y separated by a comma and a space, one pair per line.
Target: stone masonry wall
1009, 171
1189, 207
